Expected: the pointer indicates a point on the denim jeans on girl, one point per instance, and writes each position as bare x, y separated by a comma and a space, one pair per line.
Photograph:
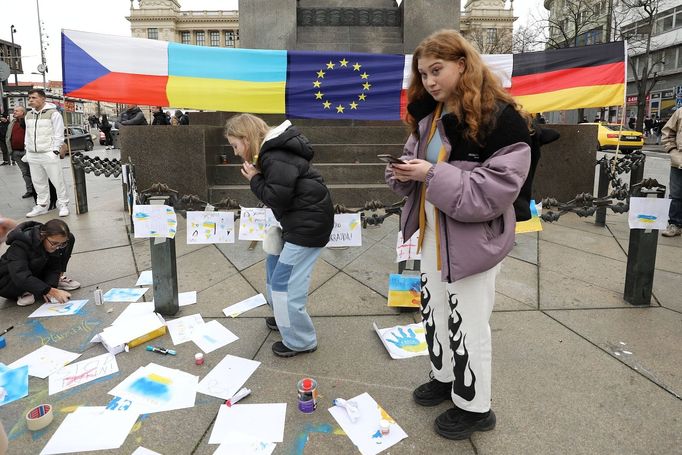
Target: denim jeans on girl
287, 278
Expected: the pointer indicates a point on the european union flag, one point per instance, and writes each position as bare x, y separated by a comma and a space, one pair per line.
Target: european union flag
344, 85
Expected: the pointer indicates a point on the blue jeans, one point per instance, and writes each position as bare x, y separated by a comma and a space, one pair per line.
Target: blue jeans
675, 213
287, 279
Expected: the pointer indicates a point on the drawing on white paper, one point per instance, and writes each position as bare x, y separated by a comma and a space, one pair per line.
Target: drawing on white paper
210, 227
81, 372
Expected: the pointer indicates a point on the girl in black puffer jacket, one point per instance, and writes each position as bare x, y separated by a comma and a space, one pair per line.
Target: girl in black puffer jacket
277, 165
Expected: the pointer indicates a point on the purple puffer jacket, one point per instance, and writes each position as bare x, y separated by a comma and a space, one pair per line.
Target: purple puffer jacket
475, 200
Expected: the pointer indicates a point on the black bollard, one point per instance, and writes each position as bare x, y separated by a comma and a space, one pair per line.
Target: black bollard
164, 270
81, 189
602, 191
639, 274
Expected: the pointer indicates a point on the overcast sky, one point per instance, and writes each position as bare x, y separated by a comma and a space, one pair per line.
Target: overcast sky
103, 17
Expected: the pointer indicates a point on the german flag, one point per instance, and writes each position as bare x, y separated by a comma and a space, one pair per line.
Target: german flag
557, 79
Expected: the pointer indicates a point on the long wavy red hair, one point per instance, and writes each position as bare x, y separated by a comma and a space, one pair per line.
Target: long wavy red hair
475, 97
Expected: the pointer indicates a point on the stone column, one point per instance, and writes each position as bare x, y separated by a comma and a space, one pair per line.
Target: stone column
423, 17
263, 27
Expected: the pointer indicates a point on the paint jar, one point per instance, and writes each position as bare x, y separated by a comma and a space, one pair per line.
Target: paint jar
307, 395
222, 159
199, 358
384, 427
98, 296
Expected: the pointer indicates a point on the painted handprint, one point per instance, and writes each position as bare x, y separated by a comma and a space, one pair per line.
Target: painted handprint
407, 341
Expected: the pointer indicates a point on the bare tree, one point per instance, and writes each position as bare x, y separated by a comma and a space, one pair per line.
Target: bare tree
578, 18
643, 13
491, 40
527, 39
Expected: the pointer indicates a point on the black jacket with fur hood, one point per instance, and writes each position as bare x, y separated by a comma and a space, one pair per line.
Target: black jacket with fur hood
293, 189
26, 265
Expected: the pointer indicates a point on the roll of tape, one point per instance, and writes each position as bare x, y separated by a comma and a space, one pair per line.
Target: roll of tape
3, 343
39, 417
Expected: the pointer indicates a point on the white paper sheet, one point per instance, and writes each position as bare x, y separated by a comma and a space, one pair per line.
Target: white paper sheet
245, 305
143, 324
45, 360
210, 227
236, 423
365, 432
347, 230
82, 430
124, 294
226, 378
81, 372
69, 308
154, 221
133, 311
254, 222
648, 213
403, 341
212, 335
182, 329
144, 451
254, 448
187, 298
406, 251
155, 388
145, 279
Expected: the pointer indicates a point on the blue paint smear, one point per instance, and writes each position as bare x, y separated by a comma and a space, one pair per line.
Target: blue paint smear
149, 388
302, 438
34, 328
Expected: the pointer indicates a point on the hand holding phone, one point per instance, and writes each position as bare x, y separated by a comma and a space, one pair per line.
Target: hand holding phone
390, 159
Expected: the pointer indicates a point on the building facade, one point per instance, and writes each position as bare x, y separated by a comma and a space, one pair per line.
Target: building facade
163, 20
488, 25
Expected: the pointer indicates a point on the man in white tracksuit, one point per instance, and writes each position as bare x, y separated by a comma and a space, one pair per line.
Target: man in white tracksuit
44, 137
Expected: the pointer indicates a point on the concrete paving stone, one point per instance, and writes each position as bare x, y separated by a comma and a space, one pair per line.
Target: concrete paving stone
518, 280
143, 257
341, 257
589, 268
373, 268
94, 239
95, 267
201, 269
667, 289
335, 365
322, 271
506, 303
558, 291
240, 255
588, 242
526, 247
585, 224
388, 228
554, 392
668, 257
642, 338
212, 300
342, 295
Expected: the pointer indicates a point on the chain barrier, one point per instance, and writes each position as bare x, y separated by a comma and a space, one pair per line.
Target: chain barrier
106, 167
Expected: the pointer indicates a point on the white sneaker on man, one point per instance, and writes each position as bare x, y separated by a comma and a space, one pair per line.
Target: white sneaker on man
67, 284
63, 210
37, 211
26, 299
672, 230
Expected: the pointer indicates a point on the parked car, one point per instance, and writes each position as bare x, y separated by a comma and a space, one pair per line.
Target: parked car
79, 138
608, 137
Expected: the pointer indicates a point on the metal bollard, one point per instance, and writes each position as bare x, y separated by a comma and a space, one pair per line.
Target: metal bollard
81, 189
164, 270
639, 274
602, 191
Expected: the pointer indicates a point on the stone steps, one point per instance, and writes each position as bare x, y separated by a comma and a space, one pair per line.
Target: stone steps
332, 173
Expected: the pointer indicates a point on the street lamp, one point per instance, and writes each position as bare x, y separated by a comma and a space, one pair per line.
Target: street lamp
42, 68
12, 31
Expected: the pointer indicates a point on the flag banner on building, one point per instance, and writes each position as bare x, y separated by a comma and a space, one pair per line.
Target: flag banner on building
307, 84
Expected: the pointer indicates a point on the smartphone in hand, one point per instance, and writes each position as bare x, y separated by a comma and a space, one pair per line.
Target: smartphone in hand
390, 159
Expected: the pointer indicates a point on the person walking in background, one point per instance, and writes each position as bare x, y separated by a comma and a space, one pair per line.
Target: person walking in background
631, 122
105, 126
277, 165
133, 115
16, 135
183, 119
4, 127
671, 137
465, 164
658, 126
648, 124
160, 117
43, 140
33, 266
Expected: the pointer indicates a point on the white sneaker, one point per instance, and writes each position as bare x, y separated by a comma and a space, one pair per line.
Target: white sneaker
26, 299
67, 284
672, 230
37, 211
63, 210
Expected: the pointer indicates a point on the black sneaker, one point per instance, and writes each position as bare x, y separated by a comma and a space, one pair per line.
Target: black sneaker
458, 424
271, 323
28, 194
281, 350
433, 392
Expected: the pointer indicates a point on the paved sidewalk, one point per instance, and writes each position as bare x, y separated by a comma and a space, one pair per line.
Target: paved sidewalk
575, 370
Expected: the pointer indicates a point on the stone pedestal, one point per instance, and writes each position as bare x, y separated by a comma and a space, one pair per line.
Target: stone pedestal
423, 17
264, 24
